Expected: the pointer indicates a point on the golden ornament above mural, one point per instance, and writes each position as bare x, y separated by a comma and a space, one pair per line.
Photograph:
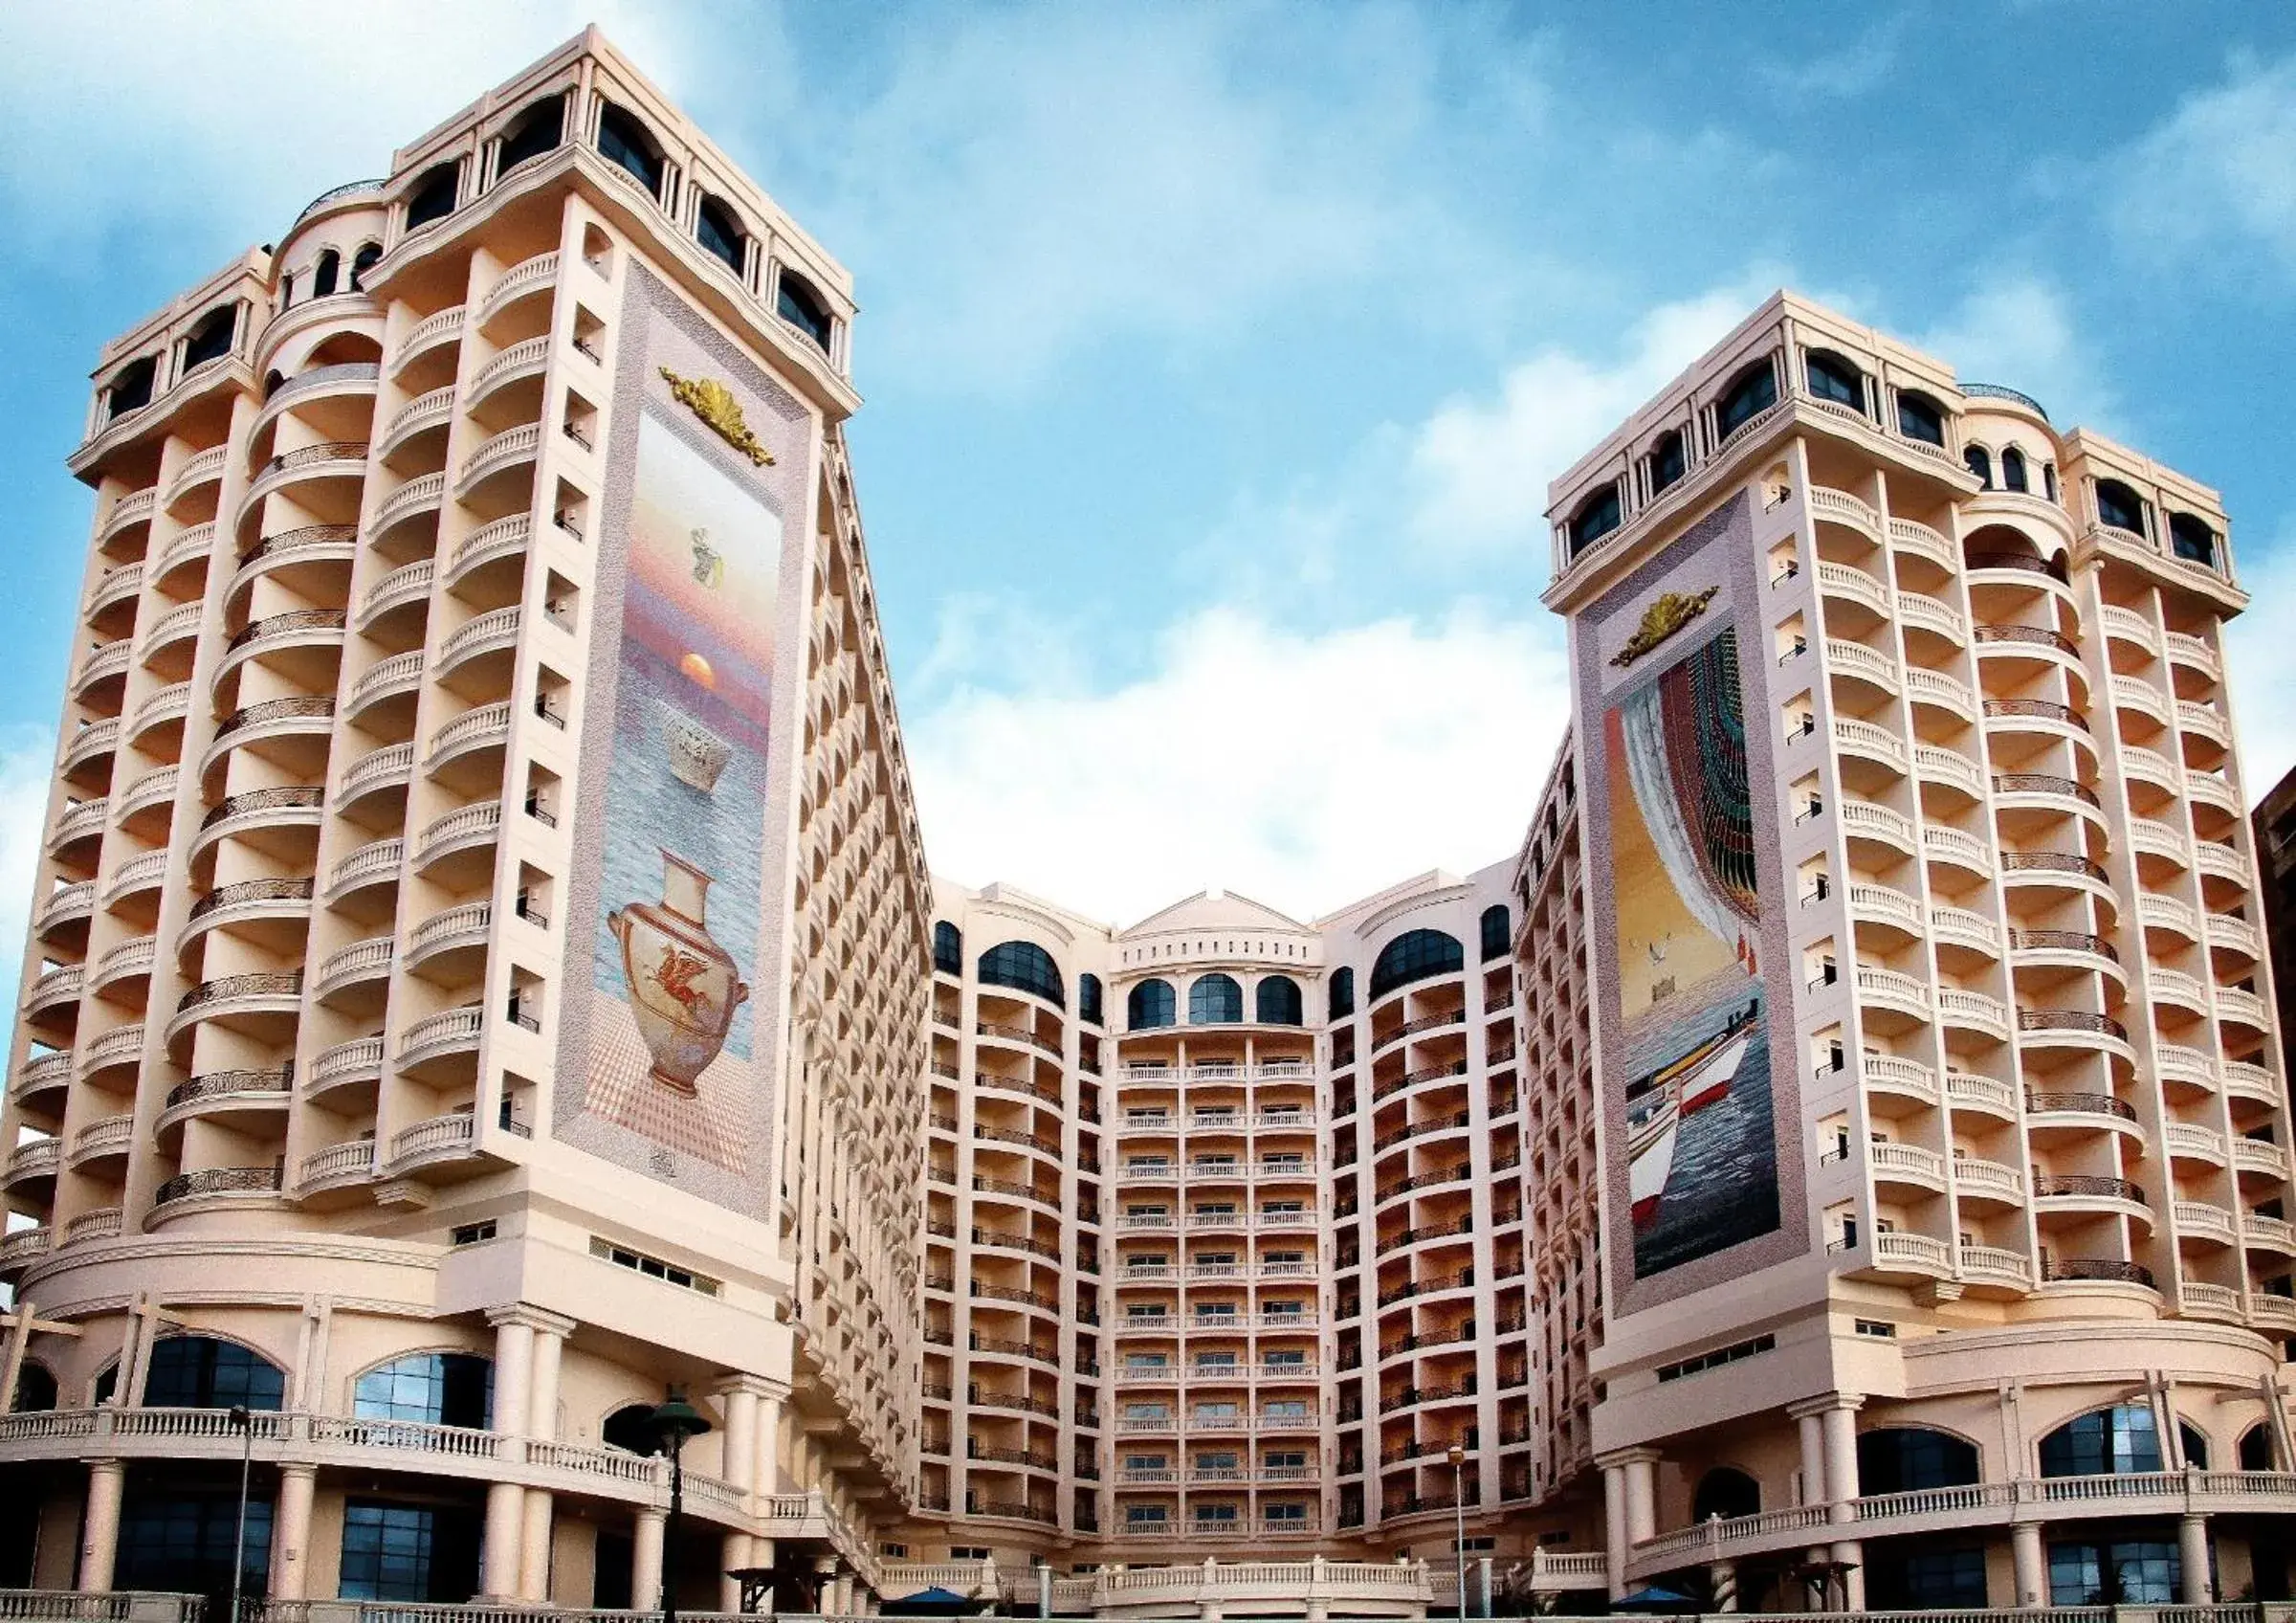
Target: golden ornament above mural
715, 405
1673, 611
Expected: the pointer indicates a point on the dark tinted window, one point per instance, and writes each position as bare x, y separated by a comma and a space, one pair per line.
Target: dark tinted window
1919, 418
1597, 517
1415, 956
801, 306
131, 386
328, 276
1756, 389
1343, 995
181, 1541
440, 1388
1277, 1001
211, 339
631, 1428
2110, 1441
1498, 928
2191, 539
433, 197
538, 130
1897, 1459
1666, 461
2013, 469
1215, 1000
407, 1552
1152, 1004
1979, 461
2120, 506
1727, 1493
2256, 1446
1088, 999
948, 949
35, 1390
1833, 378
363, 263
716, 230
1025, 966
624, 142
202, 1372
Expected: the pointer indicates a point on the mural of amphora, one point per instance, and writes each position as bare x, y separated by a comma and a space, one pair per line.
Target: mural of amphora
683, 987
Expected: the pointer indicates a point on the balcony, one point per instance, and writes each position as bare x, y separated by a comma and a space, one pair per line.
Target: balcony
34, 1162
450, 1031
411, 499
1901, 1078
200, 468
305, 717
121, 1047
504, 537
459, 833
251, 901
211, 1188
442, 1138
260, 814
1887, 988
418, 416
1853, 737
494, 632
261, 1005
404, 589
469, 735
1852, 584
192, 547
526, 280
237, 1099
525, 359
1950, 767
364, 966
1907, 1164
336, 1166
114, 587
376, 772
512, 448
336, 459
374, 863
103, 1143
426, 336
312, 559
41, 1074
23, 1248
103, 1223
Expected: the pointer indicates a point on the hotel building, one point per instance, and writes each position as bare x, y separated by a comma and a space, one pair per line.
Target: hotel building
484, 981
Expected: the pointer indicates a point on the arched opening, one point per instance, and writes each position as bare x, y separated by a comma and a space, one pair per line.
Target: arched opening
1752, 392
2048, 481
364, 260
1919, 418
948, 948
1597, 517
803, 308
536, 131
1087, 1000
1900, 1459
204, 1372
130, 388
1979, 461
327, 277
1726, 1492
211, 339
2256, 1447
630, 1429
1833, 377
2013, 469
436, 1389
2192, 540
2193, 1443
630, 147
1276, 1001
434, 195
2106, 1442
1215, 1000
2120, 508
720, 233
36, 1391
1415, 955
1025, 966
1668, 461
1342, 996
1152, 1004
1498, 930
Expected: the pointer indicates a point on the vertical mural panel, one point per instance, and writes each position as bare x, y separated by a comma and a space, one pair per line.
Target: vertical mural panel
671, 1030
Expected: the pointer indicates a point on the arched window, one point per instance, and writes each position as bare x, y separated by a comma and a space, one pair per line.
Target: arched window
1215, 1000
438, 1389
2256, 1446
1919, 418
2013, 469
2120, 508
211, 339
1415, 955
1150, 1004
36, 1391
1087, 1000
1726, 1492
1834, 378
2116, 1441
203, 1372
1498, 930
1667, 463
1025, 966
1979, 461
1753, 390
537, 130
630, 146
363, 261
803, 308
328, 276
1898, 1459
2048, 481
1275, 1001
1596, 518
2188, 538
1343, 995
948, 948
434, 195
630, 1429
130, 389
717, 231
2194, 1442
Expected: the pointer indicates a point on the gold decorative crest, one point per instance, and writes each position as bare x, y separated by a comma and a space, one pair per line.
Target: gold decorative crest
1673, 611
715, 405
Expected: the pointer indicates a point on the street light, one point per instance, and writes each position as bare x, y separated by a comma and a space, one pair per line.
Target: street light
1458, 1458
672, 1423
246, 1423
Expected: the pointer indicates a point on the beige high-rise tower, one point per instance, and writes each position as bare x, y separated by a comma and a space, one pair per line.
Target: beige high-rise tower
476, 984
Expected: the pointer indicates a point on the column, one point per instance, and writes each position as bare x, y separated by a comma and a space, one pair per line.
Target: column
2191, 1549
1722, 1583
1840, 1424
1641, 1494
2032, 1572
100, 1535
291, 1533
549, 1334
740, 1449
1614, 1526
500, 1564
645, 1561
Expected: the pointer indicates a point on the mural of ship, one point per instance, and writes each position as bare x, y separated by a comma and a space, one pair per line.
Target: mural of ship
1656, 1105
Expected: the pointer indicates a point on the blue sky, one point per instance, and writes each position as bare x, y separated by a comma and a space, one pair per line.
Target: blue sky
1217, 357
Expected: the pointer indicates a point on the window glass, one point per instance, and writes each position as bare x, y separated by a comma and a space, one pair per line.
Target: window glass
211, 340
363, 261
1919, 418
1343, 995
1896, 1459
1925, 1579
623, 141
439, 1388
720, 233
1497, 928
131, 386
323, 280
182, 1542
1152, 1004
1597, 517
948, 949
1087, 1000
35, 1390
537, 131
1416, 955
202, 1372
433, 197
1755, 390
1666, 462
2110, 1441
2126, 1571
385, 1552
1277, 1001
1215, 1000
2013, 469
1025, 966
802, 307
2120, 506
2193, 540
1832, 378
1976, 459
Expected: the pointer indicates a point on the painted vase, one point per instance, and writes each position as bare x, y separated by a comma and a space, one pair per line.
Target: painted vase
683, 986
696, 755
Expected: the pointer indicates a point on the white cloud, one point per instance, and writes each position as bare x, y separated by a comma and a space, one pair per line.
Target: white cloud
2017, 330
1481, 466
1306, 771
2218, 165
2262, 660
27, 773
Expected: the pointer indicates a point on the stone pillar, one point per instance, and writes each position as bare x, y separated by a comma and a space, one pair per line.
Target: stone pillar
1641, 1494
766, 1472
500, 1566
2191, 1549
2032, 1572
100, 1535
1483, 1586
646, 1562
733, 1554
1839, 1421
291, 1533
1722, 1581
1614, 1526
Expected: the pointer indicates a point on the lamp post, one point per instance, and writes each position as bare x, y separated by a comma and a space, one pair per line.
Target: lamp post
1458, 1458
673, 1422
246, 1423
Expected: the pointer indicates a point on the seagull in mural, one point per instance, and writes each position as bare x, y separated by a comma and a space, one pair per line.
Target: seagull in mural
709, 565
1658, 949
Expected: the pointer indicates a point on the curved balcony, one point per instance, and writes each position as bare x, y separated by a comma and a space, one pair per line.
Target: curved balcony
1854, 736
304, 644
260, 815
442, 1138
1941, 692
471, 734
135, 876
2150, 766
156, 728
411, 499
192, 547
1867, 665
2085, 1191
2240, 1006
1900, 1078
1906, 535
2221, 862
201, 469
103, 1223
168, 647
2177, 988
1886, 989
1885, 906
64, 912
211, 1189
511, 449
339, 460
379, 771
40, 1075
427, 336
1919, 612
87, 757
392, 596
494, 632
1971, 1090
336, 1166
148, 804
2074, 949
1865, 820
1973, 1010
1949, 767
124, 961
2022, 799
2184, 649
20, 1249
2136, 695
1848, 584
2189, 1142
103, 672
1988, 1182
1907, 1164
130, 511
261, 1005
446, 942
2243, 1079
2082, 1112
274, 722
375, 864
2164, 916
396, 677
357, 1064
2127, 624
112, 588
2041, 717
255, 908
489, 543
362, 966
1829, 505
309, 561
529, 279
422, 414
2259, 1232
2077, 1027
120, 1049
2204, 722
341, 380
2235, 938
2260, 1158
436, 1037
33, 1164
240, 1100
1940, 843
54, 999
526, 359
79, 823
1969, 931
102, 1144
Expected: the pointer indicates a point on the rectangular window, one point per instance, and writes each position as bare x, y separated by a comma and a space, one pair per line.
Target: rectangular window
386, 1551
1144, 1515
474, 1234
652, 1267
